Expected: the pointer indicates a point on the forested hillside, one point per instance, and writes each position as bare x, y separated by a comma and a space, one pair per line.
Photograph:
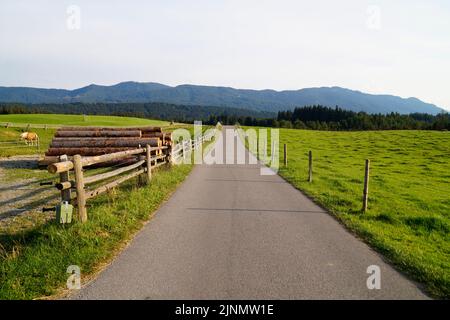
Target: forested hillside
262, 100
324, 118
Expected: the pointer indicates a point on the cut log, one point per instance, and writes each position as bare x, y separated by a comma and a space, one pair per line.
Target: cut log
153, 135
92, 138
105, 143
87, 152
151, 129
47, 160
110, 133
84, 151
89, 161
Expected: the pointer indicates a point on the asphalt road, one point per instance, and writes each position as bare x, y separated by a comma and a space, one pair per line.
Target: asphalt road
229, 232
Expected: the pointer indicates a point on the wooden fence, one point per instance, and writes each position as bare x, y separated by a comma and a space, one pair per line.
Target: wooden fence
365, 197
145, 164
9, 144
28, 126
183, 149
148, 158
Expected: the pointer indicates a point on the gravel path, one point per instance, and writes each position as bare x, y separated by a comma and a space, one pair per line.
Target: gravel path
21, 196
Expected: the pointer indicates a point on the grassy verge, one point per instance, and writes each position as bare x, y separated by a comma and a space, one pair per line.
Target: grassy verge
33, 262
409, 208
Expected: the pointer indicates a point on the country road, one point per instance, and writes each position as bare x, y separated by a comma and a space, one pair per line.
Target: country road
230, 233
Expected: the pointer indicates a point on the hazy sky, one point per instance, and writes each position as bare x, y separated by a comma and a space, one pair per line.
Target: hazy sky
395, 47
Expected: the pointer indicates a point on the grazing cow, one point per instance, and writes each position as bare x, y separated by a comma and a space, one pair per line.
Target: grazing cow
30, 138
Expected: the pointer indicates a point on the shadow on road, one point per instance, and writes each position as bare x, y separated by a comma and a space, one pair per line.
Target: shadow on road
254, 210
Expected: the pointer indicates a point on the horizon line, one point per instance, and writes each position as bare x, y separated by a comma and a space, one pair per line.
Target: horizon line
223, 86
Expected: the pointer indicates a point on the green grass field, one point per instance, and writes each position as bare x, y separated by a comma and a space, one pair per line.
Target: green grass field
409, 195
10, 146
79, 120
12, 134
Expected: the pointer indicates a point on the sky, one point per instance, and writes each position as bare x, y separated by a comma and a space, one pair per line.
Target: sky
382, 47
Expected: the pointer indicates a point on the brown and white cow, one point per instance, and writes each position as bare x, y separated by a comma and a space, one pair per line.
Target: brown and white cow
30, 138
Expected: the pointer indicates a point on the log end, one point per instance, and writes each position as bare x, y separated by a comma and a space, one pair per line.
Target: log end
59, 167
52, 168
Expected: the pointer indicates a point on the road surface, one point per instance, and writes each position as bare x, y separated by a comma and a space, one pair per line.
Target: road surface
230, 233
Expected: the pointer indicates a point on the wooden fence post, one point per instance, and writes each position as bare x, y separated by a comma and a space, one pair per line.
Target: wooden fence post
149, 164
64, 177
285, 155
310, 178
366, 185
79, 183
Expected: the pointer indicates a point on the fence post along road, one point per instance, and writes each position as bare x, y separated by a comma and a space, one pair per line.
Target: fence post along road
231, 232
79, 163
141, 160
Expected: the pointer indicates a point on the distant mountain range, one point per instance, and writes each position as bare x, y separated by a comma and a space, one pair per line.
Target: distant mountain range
258, 100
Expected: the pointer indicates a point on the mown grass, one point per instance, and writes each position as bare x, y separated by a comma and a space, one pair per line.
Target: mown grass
409, 194
33, 262
79, 120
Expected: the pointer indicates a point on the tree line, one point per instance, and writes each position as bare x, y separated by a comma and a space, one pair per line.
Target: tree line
152, 110
309, 117
325, 118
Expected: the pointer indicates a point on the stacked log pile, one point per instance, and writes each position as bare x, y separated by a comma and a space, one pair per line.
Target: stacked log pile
93, 141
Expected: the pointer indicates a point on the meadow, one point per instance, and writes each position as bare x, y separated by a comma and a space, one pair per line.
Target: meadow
79, 120
408, 217
11, 134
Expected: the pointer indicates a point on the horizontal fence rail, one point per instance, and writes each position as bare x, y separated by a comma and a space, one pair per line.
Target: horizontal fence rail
19, 144
146, 159
182, 149
29, 125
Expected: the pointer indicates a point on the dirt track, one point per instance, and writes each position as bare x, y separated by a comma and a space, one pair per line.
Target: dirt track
21, 196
